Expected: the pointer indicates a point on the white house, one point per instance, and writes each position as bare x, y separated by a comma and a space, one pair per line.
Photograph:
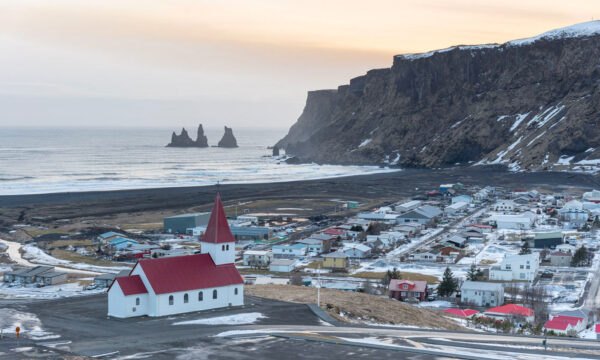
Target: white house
455, 208
504, 205
482, 293
354, 250
282, 265
515, 222
314, 245
516, 267
257, 257
289, 251
407, 206
593, 196
462, 198
573, 213
180, 284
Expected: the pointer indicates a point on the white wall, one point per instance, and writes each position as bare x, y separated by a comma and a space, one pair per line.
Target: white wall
217, 253
225, 297
122, 306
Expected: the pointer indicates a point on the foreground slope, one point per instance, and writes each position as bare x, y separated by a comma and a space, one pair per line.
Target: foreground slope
529, 104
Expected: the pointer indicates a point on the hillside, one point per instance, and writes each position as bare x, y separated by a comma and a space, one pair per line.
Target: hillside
530, 104
357, 307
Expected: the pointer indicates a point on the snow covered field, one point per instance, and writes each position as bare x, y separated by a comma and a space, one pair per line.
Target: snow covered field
237, 319
46, 292
29, 323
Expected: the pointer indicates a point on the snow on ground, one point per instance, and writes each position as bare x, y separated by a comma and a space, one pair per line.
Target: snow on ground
588, 333
30, 291
438, 304
237, 319
38, 256
29, 323
365, 143
490, 252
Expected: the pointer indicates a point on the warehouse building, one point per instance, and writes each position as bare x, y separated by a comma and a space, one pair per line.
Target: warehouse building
180, 223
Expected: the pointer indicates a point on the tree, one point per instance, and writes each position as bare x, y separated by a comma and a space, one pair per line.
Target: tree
525, 249
449, 285
389, 275
356, 228
368, 288
296, 279
580, 257
474, 274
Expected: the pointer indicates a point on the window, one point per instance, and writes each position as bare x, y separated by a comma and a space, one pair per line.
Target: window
227, 247
223, 247
170, 299
507, 266
522, 267
522, 275
200, 296
235, 291
137, 301
185, 298
528, 267
405, 286
215, 294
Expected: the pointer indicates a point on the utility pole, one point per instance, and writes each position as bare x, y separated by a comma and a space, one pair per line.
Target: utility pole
319, 286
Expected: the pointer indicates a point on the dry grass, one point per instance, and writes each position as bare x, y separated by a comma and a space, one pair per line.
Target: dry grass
66, 242
357, 306
75, 257
405, 275
487, 262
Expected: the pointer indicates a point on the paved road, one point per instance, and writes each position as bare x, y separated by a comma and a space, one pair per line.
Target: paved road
592, 300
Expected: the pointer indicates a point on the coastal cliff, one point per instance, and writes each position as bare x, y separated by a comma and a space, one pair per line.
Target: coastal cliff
530, 104
228, 140
184, 140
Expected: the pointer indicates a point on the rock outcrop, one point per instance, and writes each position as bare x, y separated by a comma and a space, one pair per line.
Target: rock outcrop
275, 151
530, 104
228, 140
184, 140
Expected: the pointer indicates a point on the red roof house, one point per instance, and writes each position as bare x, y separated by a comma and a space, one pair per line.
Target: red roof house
178, 284
408, 289
463, 313
597, 328
510, 310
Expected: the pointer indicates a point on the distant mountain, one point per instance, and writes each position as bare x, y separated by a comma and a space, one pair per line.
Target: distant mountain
530, 104
184, 140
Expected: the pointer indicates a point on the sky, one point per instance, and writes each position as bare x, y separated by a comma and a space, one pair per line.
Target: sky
151, 63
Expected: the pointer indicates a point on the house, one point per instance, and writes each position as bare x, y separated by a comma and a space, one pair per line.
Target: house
247, 219
559, 258
462, 198
107, 236
27, 275
510, 312
105, 280
336, 260
457, 241
455, 208
586, 316
335, 232
466, 313
258, 258
314, 246
482, 293
504, 205
120, 243
592, 196
179, 284
282, 265
251, 233
356, 251
289, 251
515, 222
485, 229
573, 214
407, 206
564, 325
326, 240
379, 217
408, 289
547, 240
180, 223
516, 267
160, 252
597, 330
51, 278
423, 215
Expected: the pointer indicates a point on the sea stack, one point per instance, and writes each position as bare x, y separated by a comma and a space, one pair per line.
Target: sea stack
184, 139
275, 151
228, 140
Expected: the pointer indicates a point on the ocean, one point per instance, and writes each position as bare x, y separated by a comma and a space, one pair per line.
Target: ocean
51, 160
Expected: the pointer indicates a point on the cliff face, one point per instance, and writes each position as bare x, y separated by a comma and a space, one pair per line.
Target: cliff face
184, 140
228, 140
529, 104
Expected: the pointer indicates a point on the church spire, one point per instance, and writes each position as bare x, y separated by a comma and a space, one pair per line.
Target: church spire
217, 230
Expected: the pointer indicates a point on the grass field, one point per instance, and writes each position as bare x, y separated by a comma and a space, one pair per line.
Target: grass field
75, 257
405, 275
358, 307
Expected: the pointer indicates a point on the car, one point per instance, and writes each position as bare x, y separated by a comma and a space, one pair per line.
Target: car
91, 287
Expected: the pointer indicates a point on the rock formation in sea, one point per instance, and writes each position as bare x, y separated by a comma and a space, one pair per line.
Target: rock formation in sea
228, 140
275, 151
184, 140
529, 104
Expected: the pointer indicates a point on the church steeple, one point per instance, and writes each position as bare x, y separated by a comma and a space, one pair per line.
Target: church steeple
218, 240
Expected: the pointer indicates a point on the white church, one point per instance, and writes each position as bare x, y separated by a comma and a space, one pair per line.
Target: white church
180, 284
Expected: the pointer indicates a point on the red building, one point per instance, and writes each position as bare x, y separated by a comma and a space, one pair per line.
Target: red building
408, 289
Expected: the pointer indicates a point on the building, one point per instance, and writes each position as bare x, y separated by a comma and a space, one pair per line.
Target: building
258, 258
105, 280
336, 260
457, 241
559, 258
547, 240
431, 255
407, 206
314, 246
180, 223
179, 284
282, 265
120, 243
466, 313
357, 251
586, 316
574, 214
482, 293
515, 222
251, 232
516, 267
462, 198
408, 289
455, 208
423, 215
379, 217
107, 236
511, 312
160, 252
504, 205
27, 275
289, 251
247, 219
592, 196
597, 330
51, 278
484, 229
565, 325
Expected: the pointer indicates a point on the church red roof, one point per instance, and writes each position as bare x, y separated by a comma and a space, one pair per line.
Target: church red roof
217, 230
131, 285
189, 272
